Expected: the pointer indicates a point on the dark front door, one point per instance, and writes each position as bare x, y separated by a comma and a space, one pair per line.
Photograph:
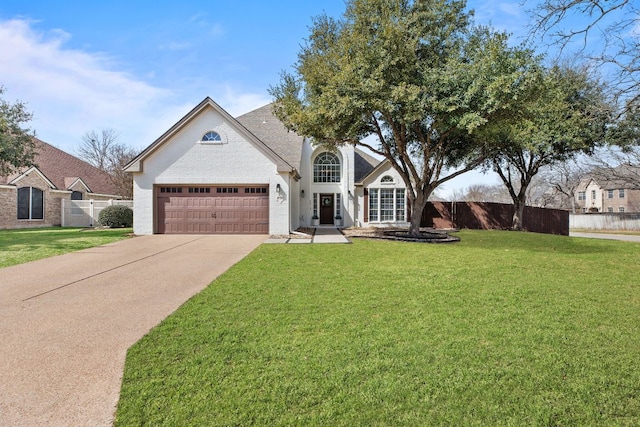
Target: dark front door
326, 209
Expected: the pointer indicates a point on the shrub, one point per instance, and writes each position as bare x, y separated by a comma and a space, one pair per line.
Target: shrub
116, 216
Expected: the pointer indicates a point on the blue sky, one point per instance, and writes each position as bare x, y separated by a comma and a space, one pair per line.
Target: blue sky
139, 66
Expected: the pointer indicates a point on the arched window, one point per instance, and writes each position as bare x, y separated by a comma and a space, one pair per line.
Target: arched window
326, 168
30, 203
76, 195
387, 179
212, 136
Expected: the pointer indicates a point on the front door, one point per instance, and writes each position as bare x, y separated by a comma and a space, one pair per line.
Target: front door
326, 209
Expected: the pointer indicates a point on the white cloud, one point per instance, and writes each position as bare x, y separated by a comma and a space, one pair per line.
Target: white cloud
237, 103
72, 91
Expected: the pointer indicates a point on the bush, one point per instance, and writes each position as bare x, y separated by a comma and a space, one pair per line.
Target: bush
116, 216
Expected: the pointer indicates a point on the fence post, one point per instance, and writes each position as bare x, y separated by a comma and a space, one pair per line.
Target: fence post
91, 212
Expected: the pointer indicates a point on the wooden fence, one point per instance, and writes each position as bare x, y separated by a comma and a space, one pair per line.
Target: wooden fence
490, 216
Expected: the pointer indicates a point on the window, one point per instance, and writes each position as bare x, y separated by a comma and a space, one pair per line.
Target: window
373, 205
610, 209
621, 193
199, 190
338, 203
609, 194
593, 194
386, 180
212, 137
229, 190
326, 168
255, 190
76, 195
387, 204
315, 205
582, 195
30, 203
171, 189
621, 209
400, 204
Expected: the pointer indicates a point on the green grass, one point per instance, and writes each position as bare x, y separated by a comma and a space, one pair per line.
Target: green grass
502, 329
24, 245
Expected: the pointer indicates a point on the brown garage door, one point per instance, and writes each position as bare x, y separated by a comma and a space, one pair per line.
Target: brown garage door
213, 210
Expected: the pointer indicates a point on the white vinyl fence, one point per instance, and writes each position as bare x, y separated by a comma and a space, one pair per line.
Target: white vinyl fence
605, 221
84, 213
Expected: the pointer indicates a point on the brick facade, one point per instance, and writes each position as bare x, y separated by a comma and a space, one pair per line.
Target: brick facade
52, 202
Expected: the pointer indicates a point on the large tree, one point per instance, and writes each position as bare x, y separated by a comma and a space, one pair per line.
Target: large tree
102, 150
569, 115
415, 74
17, 145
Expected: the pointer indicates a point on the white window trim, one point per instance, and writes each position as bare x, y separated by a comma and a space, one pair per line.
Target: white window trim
223, 138
378, 210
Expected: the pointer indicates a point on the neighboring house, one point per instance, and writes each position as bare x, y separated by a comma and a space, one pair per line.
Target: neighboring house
32, 196
607, 195
212, 173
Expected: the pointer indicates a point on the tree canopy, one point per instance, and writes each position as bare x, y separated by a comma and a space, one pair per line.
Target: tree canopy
568, 115
102, 150
607, 31
431, 87
17, 146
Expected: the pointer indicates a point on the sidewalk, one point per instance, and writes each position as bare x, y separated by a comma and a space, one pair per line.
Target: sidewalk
322, 235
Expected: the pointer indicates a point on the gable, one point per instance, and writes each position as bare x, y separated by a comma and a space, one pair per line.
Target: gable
32, 177
59, 168
185, 137
384, 169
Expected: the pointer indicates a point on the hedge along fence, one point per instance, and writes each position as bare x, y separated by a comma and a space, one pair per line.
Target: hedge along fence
493, 216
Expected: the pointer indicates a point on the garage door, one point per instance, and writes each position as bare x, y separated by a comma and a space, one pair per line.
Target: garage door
212, 210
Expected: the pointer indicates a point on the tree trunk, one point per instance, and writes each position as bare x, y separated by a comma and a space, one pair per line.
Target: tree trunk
417, 206
518, 212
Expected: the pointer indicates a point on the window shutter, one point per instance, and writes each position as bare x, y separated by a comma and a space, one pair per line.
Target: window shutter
366, 205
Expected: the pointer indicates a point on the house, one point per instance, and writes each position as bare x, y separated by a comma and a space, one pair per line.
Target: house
213, 173
603, 194
32, 196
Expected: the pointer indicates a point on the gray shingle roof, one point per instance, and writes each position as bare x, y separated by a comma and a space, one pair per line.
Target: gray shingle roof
363, 164
267, 128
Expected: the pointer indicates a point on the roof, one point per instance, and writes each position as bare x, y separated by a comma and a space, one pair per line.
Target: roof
63, 170
136, 165
623, 176
269, 129
364, 164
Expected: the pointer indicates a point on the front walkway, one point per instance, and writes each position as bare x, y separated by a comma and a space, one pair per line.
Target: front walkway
322, 235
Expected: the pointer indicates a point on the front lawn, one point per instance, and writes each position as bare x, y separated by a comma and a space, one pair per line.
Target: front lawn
24, 245
502, 329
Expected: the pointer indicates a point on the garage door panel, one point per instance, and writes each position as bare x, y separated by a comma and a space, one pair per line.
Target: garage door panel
234, 211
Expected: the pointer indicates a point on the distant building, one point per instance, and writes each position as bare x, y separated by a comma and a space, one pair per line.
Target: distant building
32, 196
609, 194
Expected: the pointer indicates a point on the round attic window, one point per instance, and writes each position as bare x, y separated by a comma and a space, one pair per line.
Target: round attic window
211, 137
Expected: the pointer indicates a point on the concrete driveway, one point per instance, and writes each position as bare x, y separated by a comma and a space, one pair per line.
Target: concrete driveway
66, 322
